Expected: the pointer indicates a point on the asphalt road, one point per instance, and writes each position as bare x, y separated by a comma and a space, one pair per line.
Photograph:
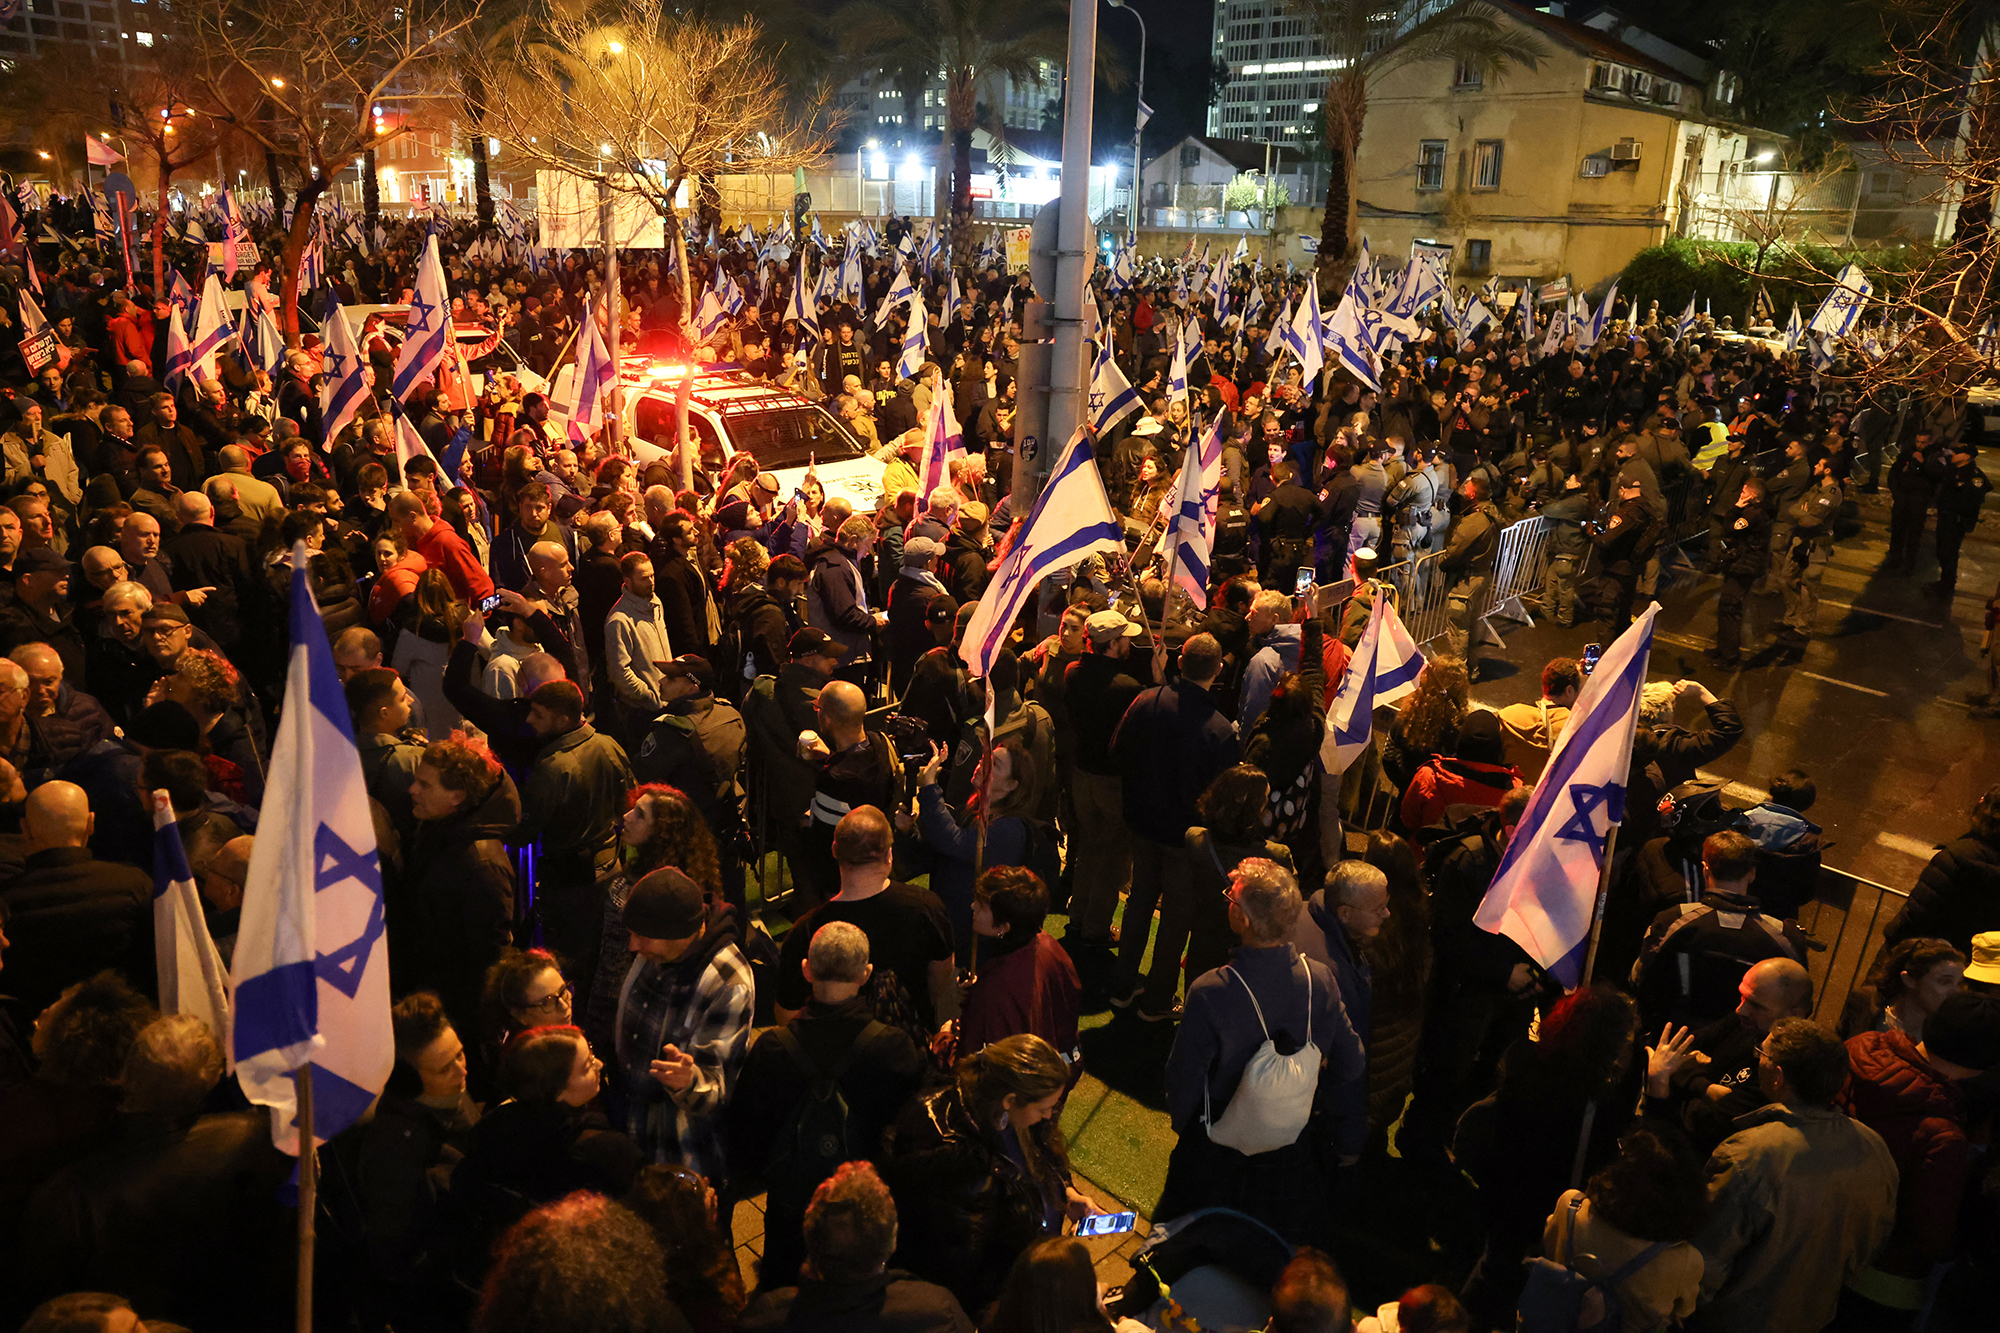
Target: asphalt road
1876, 713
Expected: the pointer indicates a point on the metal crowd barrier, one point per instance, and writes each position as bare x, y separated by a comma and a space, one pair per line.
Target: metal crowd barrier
1842, 964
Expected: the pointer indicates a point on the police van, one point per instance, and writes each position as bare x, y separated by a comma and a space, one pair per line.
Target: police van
732, 412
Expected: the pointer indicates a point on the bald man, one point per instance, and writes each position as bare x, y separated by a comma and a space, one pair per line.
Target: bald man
254, 496
550, 570
62, 721
213, 567
1708, 1091
139, 542
856, 767
69, 915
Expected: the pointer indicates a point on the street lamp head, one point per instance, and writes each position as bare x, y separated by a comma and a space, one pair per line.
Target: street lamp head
41, 154
277, 83
1766, 156
615, 48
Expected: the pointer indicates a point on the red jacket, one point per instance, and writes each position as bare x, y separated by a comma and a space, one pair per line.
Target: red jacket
1920, 1114
444, 549
1446, 784
131, 336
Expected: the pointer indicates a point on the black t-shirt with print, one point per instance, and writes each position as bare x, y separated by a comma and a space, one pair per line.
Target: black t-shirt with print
907, 931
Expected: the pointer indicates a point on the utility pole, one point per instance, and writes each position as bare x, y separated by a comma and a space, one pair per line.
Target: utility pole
1138, 128
1069, 382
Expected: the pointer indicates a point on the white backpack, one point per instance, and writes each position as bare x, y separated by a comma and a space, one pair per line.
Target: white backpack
1275, 1099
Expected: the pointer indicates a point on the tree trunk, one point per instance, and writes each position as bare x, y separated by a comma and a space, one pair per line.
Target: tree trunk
295, 249
961, 174
160, 233
277, 183
683, 437
482, 184
1346, 105
371, 195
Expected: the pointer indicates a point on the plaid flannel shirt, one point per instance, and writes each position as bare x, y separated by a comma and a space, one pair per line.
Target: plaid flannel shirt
707, 1015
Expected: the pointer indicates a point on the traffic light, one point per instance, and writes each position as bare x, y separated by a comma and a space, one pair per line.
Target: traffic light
802, 203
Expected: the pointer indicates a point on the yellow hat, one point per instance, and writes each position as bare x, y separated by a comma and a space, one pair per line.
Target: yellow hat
1985, 964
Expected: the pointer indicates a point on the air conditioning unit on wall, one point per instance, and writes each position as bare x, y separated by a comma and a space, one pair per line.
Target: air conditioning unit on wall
1625, 150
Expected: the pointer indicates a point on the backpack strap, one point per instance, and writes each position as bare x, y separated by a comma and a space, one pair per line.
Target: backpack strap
1569, 1233
1260, 1008
1638, 1261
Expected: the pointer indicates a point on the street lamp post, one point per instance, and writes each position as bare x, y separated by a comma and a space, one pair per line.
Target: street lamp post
1138, 127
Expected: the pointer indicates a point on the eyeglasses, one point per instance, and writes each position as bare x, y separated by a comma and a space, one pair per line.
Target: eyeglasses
556, 999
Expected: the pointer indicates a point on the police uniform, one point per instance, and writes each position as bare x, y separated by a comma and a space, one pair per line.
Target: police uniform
1805, 564
1367, 527
1467, 564
1913, 482
1567, 548
1742, 556
1624, 545
1959, 498
1786, 489
1409, 507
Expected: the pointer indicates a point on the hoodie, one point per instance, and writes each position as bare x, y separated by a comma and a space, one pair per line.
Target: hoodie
1920, 1114
1272, 654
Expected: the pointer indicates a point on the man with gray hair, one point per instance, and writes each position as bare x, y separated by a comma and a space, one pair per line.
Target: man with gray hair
1339, 921
1801, 1196
771, 1118
1267, 994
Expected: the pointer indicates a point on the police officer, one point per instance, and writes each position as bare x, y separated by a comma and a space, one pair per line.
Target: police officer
1783, 491
1624, 543
1913, 483
1812, 517
1467, 564
1568, 545
1366, 529
1741, 554
1444, 481
1725, 487
1409, 509
1960, 494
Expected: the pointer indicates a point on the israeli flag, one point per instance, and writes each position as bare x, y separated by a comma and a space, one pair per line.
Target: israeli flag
192, 978
851, 289
1177, 371
1383, 669
346, 383
312, 268
944, 440
1526, 305
1122, 274
1418, 287
311, 977
233, 230
911, 358
212, 328
180, 357
1352, 344
180, 295
709, 316
1544, 895
1253, 307
1218, 292
902, 289
828, 288
1471, 318
428, 333
1112, 397
410, 444
953, 302
1842, 306
1593, 327
1189, 541
596, 378
1303, 335
800, 307
1686, 321
1795, 330
1281, 328
1072, 519
267, 349
1242, 250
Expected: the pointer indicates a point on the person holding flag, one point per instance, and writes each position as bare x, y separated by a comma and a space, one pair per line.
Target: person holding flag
1189, 541
596, 379
347, 375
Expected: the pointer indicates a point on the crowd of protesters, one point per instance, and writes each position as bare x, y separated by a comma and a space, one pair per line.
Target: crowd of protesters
593, 707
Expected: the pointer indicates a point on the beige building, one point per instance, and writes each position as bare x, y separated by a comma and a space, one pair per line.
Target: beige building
1572, 167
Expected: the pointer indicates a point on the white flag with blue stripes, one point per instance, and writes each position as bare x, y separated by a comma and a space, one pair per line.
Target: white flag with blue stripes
192, 978
1112, 397
1189, 542
311, 974
1383, 669
1593, 327
1842, 307
1072, 519
1686, 321
801, 309
1351, 342
1795, 330
1303, 335
346, 383
212, 328
596, 378
428, 333
180, 356
1177, 371
1544, 895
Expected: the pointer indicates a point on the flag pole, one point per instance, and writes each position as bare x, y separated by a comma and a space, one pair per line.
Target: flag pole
308, 1195
1597, 912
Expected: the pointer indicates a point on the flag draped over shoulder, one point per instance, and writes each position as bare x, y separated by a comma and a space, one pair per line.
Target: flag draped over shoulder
1189, 541
311, 969
193, 980
1544, 894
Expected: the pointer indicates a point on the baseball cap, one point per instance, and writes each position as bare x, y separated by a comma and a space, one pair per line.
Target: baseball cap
666, 905
689, 664
940, 611
812, 641
1985, 964
1105, 626
972, 514
919, 551
40, 560
766, 482
165, 613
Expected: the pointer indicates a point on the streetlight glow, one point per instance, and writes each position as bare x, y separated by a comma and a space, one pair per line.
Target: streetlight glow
616, 48
277, 83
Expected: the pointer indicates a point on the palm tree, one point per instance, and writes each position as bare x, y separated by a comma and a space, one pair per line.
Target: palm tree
964, 41
1474, 34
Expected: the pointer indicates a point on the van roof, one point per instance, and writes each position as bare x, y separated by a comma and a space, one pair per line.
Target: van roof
721, 389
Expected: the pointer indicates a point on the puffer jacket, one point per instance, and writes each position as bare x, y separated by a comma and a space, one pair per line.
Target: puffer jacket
454, 912
965, 1209
1956, 896
1920, 1115
837, 601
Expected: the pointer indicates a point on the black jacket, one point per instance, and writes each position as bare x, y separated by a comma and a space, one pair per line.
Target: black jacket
1957, 896
964, 1210
684, 598
1099, 688
70, 916
763, 630
453, 913
908, 636
1746, 549
205, 558
892, 1302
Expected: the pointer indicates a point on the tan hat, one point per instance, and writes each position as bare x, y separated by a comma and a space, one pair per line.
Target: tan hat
1103, 627
1985, 964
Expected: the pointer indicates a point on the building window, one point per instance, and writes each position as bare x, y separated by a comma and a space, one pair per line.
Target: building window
1466, 75
1595, 166
1486, 164
1880, 182
1430, 164
1478, 256
1728, 87
1190, 155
